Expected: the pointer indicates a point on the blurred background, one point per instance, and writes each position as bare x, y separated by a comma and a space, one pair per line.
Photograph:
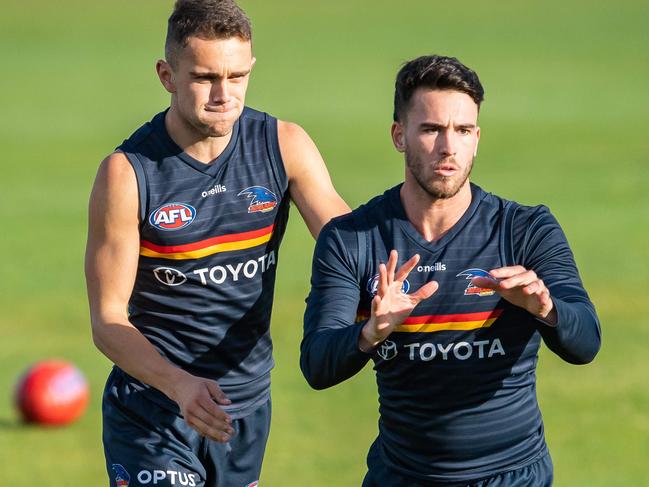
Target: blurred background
564, 124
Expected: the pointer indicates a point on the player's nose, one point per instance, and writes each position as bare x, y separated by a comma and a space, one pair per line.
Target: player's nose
220, 92
448, 143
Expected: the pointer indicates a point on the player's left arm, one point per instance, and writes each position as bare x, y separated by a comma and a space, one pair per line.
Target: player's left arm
309, 182
548, 286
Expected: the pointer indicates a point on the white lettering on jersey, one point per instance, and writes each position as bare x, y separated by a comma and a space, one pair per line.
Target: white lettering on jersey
459, 351
436, 267
219, 274
154, 477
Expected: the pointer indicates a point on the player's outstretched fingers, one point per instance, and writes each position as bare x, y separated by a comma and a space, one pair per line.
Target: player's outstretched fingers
508, 271
486, 282
425, 291
392, 265
519, 280
382, 288
406, 268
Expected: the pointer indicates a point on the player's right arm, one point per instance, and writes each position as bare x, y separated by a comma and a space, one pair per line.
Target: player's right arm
334, 346
112, 254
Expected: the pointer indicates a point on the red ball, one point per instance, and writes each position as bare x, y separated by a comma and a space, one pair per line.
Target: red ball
52, 392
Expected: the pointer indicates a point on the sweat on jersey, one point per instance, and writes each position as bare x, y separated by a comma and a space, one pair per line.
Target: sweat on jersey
456, 380
209, 242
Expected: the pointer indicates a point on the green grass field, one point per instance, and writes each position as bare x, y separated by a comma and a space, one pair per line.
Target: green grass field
563, 124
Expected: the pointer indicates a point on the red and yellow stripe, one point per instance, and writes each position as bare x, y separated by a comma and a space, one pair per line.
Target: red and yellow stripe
209, 246
433, 323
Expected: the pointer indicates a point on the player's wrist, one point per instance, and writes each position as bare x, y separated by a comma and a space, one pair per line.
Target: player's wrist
174, 379
367, 340
550, 317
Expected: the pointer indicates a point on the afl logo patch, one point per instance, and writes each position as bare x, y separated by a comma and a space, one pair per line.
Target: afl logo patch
261, 199
172, 216
373, 286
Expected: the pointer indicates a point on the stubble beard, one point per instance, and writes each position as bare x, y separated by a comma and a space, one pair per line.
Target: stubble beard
437, 187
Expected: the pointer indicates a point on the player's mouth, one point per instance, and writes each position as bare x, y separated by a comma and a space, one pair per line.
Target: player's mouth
446, 170
218, 108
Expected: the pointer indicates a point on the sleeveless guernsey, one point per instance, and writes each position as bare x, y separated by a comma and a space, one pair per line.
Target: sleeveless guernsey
210, 236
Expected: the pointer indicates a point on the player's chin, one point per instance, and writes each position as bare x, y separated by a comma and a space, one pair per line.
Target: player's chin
443, 188
218, 129
221, 126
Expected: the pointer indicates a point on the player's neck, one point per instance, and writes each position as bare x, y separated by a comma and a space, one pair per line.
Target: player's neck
197, 145
433, 217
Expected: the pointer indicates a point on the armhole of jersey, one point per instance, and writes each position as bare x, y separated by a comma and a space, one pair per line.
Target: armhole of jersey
363, 251
272, 144
140, 177
507, 234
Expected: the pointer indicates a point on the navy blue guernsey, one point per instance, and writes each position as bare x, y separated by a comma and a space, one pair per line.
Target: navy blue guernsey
209, 241
456, 380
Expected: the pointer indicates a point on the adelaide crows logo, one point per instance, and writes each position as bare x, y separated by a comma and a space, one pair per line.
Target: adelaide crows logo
261, 199
122, 478
472, 289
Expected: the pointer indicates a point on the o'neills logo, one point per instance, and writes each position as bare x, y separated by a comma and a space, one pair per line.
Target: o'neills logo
172, 216
218, 189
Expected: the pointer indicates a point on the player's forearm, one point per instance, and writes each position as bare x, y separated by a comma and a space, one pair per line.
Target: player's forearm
127, 348
576, 337
331, 356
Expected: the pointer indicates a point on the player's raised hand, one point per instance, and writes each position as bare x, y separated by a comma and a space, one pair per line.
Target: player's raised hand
199, 400
391, 306
523, 288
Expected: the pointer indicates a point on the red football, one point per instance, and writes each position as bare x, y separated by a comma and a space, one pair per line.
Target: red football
52, 392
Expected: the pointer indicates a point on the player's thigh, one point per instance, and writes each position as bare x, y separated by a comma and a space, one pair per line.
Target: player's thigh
145, 444
238, 462
380, 475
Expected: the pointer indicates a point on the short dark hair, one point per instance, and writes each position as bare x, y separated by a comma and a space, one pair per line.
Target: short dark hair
436, 73
207, 19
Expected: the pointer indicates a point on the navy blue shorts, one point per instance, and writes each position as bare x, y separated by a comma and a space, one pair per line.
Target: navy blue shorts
537, 474
146, 444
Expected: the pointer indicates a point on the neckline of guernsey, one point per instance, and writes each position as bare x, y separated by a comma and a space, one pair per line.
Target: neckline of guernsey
212, 167
477, 195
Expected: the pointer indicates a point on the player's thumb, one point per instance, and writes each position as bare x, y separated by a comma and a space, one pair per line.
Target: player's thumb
217, 394
427, 290
486, 282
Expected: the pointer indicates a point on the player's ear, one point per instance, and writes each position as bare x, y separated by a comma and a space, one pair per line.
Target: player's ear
398, 136
166, 75
477, 140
